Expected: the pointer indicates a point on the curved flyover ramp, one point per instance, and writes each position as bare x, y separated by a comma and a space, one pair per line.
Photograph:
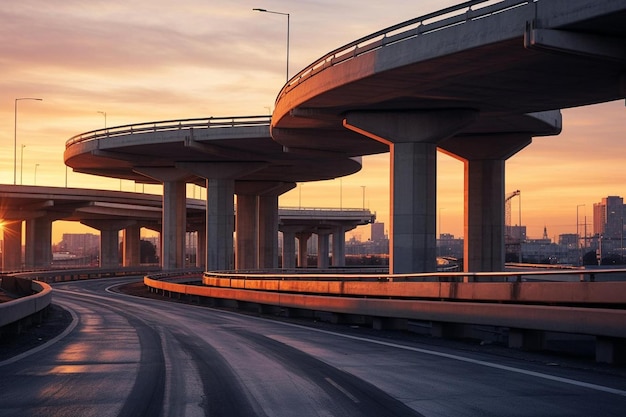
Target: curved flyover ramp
477, 81
230, 155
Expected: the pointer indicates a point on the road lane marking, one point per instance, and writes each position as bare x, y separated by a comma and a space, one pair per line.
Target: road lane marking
470, 360
343, 390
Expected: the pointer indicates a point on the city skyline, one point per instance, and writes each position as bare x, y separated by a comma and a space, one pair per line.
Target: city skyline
96, 64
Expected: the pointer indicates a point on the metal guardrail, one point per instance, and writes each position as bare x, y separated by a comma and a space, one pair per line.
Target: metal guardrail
448, 17
567, 275
169, 125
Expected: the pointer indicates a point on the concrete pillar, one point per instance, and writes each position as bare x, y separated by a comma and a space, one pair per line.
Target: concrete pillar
484, 160
109, 248
412, 137
258, 231
38, 243
339, 246
289, 249
12, 253
247, 227
174, 224
220, 224
109, 239
323, 247
174, 216
131, 238
303, 252
201, 248
268, 232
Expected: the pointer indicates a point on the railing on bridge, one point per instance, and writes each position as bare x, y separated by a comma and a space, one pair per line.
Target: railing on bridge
428, 23
169, 125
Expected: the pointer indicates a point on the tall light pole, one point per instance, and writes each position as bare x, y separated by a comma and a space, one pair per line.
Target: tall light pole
35, 177
22, 163
15, 136
578, 235
283, 14
105, 118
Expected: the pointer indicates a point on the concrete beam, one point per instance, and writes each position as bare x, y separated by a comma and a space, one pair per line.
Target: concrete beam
584, 44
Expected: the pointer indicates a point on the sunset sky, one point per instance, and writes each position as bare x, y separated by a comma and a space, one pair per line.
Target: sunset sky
149, 60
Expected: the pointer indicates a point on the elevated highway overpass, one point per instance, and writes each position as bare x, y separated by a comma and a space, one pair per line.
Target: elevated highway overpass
112, 211
477, 81
229, 156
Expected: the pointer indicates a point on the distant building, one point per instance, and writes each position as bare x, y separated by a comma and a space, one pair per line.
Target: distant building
449, 246
80, 244
608, 217
378, 232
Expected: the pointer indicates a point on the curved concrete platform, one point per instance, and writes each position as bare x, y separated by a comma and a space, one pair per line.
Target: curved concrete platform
477, 80
136, 152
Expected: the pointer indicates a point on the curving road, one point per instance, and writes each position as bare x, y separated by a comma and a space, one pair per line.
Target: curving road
126, 356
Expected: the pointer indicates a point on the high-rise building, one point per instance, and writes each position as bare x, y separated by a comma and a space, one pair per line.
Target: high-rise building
378, 232
608, 217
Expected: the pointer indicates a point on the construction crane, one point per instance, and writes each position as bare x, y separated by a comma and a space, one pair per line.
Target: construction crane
512, 246
507, 210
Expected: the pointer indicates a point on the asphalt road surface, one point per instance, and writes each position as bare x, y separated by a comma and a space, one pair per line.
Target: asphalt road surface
129, 356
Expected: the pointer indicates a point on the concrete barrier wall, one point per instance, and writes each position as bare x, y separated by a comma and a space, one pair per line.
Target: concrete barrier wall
285, 294
578, 293
24, 307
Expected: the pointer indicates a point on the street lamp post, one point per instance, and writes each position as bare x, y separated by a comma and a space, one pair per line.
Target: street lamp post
283, 14
15, 136
105, 118
578, 236
22, 163
35, 177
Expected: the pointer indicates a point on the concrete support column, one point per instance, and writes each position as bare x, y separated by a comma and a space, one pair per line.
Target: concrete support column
109, 248
220, 224
289, 249
339, 246
323, 246
131, 239
174, 217
201, 248
268, 232
257, 223
484, 160
38, 243
174, 224
12, 253
414, 196
109, 239
303, 251
412, 137
247, 227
